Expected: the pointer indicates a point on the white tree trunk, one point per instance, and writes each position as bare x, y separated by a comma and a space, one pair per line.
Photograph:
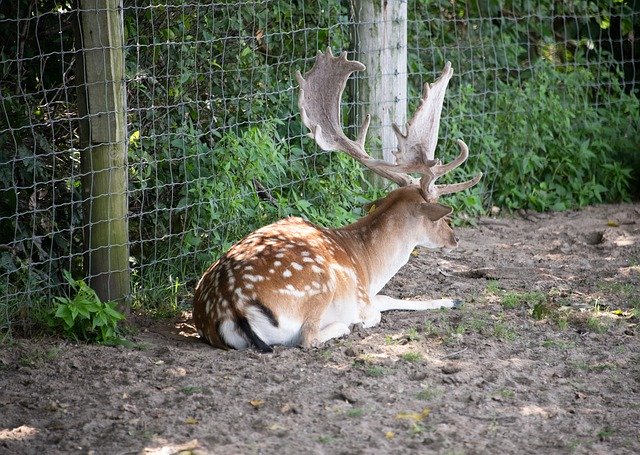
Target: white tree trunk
381, 44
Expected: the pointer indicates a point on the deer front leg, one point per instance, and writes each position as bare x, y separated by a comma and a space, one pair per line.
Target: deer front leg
386, 303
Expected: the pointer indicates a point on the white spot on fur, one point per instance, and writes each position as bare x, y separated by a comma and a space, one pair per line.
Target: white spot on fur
238, 292
308, 259
286, 273
292, 291
296, 266
207, 308
280, 255
316, 269
305, 254
254, 278
277, 264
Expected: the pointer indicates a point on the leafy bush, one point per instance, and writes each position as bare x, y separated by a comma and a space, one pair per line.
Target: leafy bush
549, 145
84, 317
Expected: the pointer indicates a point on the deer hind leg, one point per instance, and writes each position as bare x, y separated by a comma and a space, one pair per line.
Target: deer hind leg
314, 336
386, 303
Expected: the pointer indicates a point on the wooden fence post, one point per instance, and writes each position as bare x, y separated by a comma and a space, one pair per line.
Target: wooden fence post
381, 44
103, 136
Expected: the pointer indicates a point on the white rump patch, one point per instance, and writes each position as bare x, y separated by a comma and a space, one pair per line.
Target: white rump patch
229, 332
287, 333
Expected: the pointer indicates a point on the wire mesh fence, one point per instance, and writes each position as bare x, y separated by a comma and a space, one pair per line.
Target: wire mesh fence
215, 146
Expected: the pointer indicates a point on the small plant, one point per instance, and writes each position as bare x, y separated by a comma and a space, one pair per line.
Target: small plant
493, 287
506, 393
513, 300
38, 358
429, 393
355, 412
412, 334
595, 324
605, 434
84, 317
501, 331
325, 439
411, 356
375, 371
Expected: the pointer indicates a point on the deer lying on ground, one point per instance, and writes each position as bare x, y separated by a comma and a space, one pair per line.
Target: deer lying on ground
296, 284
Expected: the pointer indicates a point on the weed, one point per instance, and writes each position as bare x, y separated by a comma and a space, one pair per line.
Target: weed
506, 393
429, 393
562, 322
191, 389
493, 287
39, 357
325, 439
430, 327
390, 340
411, 356
355, 412
542, 310
160, 301
375, 371
605, 434
478, 325
503, 332
84, 317
596, 324
412, 334
511, 300
557, 344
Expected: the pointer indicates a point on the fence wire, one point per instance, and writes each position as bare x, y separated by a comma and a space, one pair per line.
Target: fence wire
215, 143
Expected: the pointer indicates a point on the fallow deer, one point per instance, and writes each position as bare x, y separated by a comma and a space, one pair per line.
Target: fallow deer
296, 284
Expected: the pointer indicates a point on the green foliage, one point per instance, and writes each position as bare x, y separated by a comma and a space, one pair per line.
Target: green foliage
226, 190
548, 144
84, 317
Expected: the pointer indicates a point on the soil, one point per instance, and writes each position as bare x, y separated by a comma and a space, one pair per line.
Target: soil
544, 357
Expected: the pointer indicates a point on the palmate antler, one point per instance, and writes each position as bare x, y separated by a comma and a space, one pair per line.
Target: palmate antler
320, 94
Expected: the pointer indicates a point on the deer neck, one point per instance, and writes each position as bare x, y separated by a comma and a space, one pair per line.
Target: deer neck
382, 243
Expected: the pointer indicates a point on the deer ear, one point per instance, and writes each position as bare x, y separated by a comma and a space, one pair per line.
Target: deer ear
435, 211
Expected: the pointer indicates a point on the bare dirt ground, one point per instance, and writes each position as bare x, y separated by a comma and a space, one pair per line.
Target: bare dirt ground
544, 357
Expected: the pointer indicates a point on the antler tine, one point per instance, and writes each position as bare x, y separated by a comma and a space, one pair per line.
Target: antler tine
319, 102
431, 191
416, 148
